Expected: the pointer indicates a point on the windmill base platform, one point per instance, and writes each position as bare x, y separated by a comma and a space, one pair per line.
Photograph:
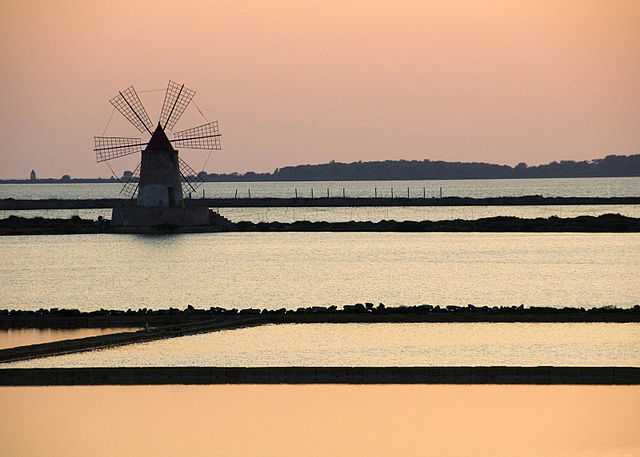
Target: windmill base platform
139, 216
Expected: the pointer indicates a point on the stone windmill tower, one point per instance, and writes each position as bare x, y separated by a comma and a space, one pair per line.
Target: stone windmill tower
162, 178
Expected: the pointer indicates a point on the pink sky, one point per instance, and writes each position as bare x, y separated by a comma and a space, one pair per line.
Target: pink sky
311, 81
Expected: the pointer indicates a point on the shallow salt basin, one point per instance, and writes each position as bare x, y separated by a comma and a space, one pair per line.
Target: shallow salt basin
275, 270
411, 344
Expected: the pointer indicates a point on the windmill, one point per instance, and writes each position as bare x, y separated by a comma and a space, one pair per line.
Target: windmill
163, 178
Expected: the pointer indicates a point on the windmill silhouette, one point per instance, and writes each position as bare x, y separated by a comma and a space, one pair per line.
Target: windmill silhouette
161, 178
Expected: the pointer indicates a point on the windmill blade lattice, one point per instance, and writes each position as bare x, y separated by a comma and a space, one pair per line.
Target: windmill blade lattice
206, 136
131, 185
190, 180
112, 147
176, 100
130, 106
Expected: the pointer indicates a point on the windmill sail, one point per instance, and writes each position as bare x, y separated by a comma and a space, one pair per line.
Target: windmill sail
176, 100
206, 136
131, 185
130, 106
112, 147
190, 180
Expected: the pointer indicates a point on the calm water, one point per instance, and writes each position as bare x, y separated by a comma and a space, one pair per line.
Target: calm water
377, 345
21, 337
567, 187
319, 421
398, 213
274, 270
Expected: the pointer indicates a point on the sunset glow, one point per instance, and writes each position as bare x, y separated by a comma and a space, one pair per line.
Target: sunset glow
307, 82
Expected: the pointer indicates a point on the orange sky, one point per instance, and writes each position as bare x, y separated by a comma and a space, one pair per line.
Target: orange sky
306, 82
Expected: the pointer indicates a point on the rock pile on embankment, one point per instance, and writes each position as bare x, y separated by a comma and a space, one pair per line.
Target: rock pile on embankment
360, 312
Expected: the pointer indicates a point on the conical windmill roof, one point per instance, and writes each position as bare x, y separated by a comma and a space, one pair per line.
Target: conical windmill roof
159, 141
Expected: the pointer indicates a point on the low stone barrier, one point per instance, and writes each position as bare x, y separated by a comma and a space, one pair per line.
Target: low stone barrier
320, 375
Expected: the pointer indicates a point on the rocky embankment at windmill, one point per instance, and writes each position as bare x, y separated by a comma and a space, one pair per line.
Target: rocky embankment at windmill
607, 223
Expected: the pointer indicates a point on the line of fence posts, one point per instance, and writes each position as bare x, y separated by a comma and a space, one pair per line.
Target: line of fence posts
236, 193
424, 192
344, 192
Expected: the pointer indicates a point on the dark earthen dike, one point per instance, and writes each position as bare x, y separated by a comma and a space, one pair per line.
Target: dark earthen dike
611, 223
357, 313
528, 200
319, 375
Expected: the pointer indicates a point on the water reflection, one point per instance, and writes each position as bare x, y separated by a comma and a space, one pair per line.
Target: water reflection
282, 421
275, 270
548, 187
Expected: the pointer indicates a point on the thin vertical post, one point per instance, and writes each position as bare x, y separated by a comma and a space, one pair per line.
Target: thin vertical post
440, 192
249, 192
407, 192
392, 192
327, 192
312, 192
375, 192
344, 195
236, 193
296, 192
424, 192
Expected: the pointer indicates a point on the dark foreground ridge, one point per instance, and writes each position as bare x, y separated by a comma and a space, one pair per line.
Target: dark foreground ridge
527, 200
606, 223
319, 375
356, 313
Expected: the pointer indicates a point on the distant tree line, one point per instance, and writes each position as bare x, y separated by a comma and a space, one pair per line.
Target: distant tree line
610, 166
